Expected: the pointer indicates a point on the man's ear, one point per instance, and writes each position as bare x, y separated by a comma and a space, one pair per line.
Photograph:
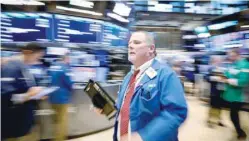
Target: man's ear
152, 49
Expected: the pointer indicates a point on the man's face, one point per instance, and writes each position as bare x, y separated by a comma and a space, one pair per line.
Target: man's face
232, 56
35, 56
138, 49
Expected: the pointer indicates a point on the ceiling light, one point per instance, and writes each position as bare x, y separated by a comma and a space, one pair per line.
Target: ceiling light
79, 10
22, 2
122, 9
82, 3
117, 17
244, 26
11, 2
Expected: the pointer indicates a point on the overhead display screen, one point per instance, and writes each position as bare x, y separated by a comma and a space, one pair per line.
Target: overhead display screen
26, 27
114, 35
76, 29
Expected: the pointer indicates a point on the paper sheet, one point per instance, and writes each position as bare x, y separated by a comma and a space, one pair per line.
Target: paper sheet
45, 92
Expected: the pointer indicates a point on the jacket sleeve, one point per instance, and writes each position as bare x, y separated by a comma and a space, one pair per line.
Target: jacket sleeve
67, 80
208, 75
243, 77
173, 111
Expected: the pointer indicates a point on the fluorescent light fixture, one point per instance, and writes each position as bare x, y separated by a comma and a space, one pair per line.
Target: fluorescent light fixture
22, 2
117, 17
189, 37
32, 2
11, 2
203, 35
82, 3
78, 10
244, 26
122, 9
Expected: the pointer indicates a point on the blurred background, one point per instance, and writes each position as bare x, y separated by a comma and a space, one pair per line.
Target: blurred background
188, 33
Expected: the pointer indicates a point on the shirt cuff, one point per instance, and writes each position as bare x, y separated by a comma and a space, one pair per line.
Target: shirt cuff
19, 98
233, 82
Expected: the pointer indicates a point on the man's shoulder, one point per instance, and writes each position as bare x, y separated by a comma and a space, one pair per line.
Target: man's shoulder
164, 68
12, 65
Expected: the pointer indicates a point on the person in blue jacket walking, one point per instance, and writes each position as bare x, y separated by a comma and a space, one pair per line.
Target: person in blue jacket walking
18, 86
151, 104
60, 99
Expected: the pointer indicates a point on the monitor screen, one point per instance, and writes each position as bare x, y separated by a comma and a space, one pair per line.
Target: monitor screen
114, 35
26, 27
77, 29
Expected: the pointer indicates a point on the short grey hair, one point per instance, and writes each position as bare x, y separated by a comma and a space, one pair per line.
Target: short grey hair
148, 37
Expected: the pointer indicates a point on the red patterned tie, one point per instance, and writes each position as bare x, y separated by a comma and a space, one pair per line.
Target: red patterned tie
125, 110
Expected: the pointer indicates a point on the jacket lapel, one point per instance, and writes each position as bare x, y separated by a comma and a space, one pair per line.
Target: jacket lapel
155, 65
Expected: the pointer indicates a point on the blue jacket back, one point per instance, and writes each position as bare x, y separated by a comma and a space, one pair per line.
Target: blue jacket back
60, 78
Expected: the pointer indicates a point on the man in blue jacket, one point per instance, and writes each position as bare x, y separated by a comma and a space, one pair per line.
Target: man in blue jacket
17, 87
60, 99
151, 103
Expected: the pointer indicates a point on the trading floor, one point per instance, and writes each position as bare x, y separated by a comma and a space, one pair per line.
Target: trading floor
194, 128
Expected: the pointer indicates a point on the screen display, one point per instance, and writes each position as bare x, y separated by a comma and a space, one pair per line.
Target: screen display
26, 27
77, 29
114, 35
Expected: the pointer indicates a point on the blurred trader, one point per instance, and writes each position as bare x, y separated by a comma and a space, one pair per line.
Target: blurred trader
237, 78
17, 86
60, 99
151, 103
216, 90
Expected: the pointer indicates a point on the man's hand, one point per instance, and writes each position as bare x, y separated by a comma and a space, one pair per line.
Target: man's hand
96, 110
134, 137
34, 91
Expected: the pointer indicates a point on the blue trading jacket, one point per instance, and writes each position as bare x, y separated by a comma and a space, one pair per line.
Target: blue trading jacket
60, 78
158, 106
17, 119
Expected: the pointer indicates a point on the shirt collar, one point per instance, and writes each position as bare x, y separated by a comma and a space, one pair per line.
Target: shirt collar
143, 67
